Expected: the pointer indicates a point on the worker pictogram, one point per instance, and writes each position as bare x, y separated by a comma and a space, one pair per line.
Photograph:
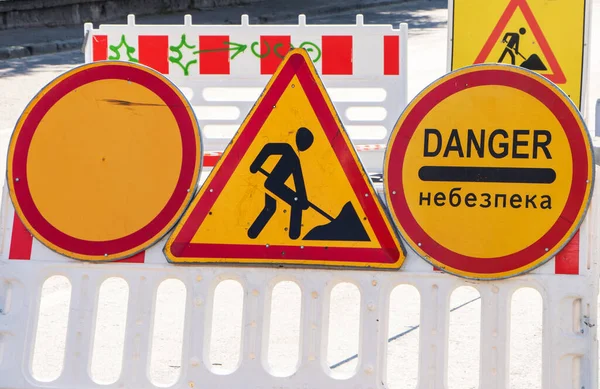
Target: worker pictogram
489, 171
513, 42
511, 39
289, 190
540, 35
348, 226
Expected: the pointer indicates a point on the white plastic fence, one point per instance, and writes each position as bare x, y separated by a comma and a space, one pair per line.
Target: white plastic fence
222, 69
569, 345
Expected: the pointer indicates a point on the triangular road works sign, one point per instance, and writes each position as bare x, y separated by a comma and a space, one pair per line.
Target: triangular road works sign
289, 189
517, 39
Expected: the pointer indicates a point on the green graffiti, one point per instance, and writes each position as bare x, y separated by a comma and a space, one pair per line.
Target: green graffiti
237, 49
277, 54
313, 50
128, 49
311, 47
177, 59
258, 55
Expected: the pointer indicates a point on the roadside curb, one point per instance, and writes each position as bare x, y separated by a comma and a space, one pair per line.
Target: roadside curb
12, 52
339, 8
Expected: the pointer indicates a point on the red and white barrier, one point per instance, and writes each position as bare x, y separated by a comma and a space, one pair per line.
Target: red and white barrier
222, 69
250, 50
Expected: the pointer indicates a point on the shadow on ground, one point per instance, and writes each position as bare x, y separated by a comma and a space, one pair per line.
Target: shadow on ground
419, 15
39, 63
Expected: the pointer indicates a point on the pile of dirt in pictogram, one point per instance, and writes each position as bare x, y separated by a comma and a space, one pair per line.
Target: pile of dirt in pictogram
346, 227
534, 63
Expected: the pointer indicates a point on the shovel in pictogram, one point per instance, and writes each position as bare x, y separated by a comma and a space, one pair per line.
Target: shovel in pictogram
345, 227
512, 40
533, 63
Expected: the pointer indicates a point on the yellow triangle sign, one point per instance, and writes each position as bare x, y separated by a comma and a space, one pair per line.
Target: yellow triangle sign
517, 39
289, 189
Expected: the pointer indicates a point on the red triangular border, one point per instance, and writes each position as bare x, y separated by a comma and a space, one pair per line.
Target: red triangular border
558, 76
391, 251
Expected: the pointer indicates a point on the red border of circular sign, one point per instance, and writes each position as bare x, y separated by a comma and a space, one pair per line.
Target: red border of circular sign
171, 208
575, 201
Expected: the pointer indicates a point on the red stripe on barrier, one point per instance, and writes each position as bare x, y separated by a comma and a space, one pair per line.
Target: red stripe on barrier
374, 147
20, 242
272, 50
99, 47
154, 52
211, 159
337, 54
391, 55
567, 259
214, 54
138, 258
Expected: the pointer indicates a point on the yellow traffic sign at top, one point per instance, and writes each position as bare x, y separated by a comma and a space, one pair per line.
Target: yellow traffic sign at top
546, 36
289, 189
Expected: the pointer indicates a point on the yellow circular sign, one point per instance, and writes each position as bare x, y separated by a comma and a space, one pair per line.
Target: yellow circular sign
489, 171
104, 161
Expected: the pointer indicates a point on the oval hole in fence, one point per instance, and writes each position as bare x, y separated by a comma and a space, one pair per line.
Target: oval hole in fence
526, 339
216, 112
463, 340
344, 329
51, 333
349, 95
403, 337
109, 336
231, 94
219, 131
167, 335
187, 92
372, 114
284, 329
366, 132
226, 332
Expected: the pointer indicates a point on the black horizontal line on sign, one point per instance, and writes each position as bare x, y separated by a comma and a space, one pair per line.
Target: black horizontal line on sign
517, 175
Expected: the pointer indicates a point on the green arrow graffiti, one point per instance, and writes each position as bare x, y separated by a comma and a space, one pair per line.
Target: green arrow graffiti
237, 49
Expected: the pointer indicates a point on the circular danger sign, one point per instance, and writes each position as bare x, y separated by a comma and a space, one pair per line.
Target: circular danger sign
489, 171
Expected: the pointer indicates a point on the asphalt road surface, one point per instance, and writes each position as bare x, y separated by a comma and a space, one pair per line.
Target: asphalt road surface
21, 79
